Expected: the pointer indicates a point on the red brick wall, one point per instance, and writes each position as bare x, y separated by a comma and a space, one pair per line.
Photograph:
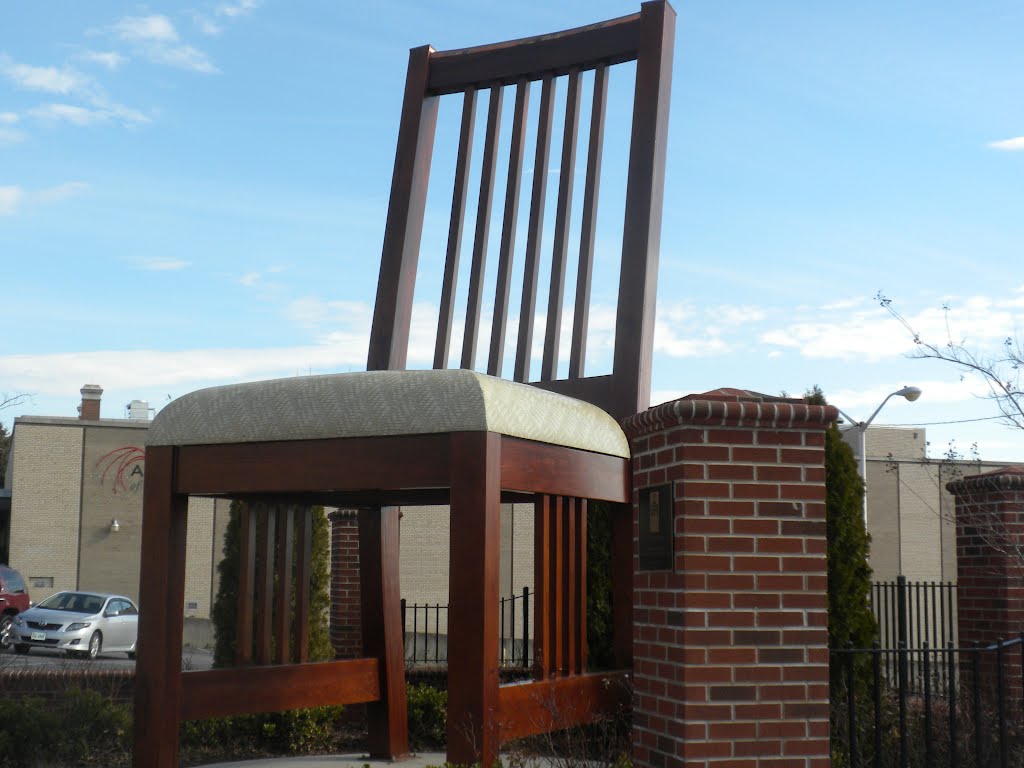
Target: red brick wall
346, 622
730, 646
990, 567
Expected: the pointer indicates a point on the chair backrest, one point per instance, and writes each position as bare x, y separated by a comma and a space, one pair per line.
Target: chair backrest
645, 37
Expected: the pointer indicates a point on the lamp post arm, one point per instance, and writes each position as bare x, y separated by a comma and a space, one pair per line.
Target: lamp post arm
849, 418
879, 408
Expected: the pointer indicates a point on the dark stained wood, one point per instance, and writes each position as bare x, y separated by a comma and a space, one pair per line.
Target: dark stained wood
556, 605
611, 42
588, 226
541, 586
249, 690
161, 597
246, 584
499, 320
412, 461
392, 312
563, 215
455, 226
594, 389
622, 565
303, 581
397, 498
641, 237
285, 538
544, 468
473, 598
483, 229
383, 633
266, 523
568, 585
580, 586
535, 231
535, 707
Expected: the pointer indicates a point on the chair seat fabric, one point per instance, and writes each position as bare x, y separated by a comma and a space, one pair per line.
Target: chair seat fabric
381, 403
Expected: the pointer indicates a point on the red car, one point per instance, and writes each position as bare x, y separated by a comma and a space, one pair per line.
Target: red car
13, 600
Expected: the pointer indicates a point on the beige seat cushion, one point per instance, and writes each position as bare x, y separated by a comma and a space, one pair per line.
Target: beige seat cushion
384, 403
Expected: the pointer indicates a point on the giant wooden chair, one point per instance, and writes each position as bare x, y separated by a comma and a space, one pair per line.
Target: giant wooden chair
391, 437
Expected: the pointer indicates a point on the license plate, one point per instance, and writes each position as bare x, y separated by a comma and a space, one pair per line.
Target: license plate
39, 636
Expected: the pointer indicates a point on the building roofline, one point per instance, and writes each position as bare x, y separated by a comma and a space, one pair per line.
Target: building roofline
72, 421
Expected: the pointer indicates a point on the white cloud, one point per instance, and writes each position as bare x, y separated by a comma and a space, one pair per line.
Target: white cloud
240, 8
146, 29
1015, 144
8, 118
48, 79
69, 113
183, 57
10, 136
206, 25
10, 197
109, 59
249, 279
155, 38
61, 192
163, 265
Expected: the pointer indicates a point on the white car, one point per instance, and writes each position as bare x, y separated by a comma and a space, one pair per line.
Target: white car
80, 623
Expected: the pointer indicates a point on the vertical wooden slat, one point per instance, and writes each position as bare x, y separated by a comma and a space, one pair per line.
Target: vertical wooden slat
161, 619
265, 582
641, 236
380, 605
524, 345
581, 586
541, 585
303, 577
473, 598
563, 214
556, 614
483, 228
584, 274
246, 584
568, 584
455, 225
283, 609
392, 312
499, 321
622, 564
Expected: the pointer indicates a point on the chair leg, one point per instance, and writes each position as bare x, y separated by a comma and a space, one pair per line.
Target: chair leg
622, 583
161, 618
387, 719
473, 599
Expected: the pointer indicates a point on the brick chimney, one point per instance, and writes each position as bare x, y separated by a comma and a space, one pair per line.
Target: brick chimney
89, 410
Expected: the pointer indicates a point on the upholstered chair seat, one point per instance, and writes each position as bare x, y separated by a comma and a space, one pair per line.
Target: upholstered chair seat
384, 403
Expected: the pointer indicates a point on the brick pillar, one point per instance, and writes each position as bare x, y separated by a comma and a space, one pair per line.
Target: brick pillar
990, 565
346, 621
730, 640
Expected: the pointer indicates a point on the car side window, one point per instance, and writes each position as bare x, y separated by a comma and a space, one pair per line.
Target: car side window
14, 583
129, 609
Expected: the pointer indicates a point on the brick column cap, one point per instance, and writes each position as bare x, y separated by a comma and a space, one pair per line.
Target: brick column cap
1003, 479
731, 407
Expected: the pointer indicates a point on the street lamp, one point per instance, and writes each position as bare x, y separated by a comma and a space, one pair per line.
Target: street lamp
911, 394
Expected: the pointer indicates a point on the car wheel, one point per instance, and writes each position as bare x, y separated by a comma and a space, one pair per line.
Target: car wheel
95, 642
5, 628
19, 648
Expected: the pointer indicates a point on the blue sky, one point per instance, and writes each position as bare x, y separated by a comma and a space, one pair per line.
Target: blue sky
194, 194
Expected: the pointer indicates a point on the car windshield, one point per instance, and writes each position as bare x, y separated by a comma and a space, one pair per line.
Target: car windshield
73, 602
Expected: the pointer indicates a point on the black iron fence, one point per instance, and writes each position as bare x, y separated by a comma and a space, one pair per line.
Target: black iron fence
913, 614
955, 707
426, 631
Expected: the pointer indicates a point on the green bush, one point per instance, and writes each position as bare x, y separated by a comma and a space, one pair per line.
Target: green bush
80, 728
300, 731
428, 716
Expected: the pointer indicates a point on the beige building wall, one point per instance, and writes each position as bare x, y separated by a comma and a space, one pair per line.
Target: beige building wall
113, 469
46, 476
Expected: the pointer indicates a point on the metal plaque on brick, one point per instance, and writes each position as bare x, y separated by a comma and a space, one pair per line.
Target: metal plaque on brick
656, 528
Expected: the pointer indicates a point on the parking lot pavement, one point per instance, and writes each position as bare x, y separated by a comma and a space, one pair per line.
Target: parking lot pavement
191, 659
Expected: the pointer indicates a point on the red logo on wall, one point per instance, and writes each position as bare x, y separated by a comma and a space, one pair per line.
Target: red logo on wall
124, 468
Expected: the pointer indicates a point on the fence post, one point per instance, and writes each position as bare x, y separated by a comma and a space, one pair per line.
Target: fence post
1004, 748
927, 706
976, 677
954, 756
851, 704
526, 627
401, 605
901, 665
876, 668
